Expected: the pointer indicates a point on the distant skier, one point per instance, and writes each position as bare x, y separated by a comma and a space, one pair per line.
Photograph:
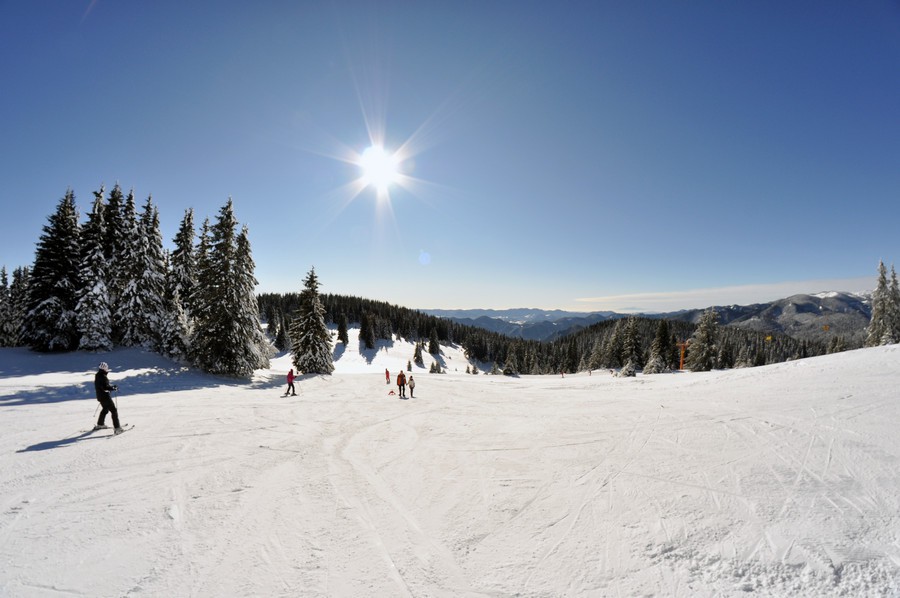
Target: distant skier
401, 384
290, 380
412, 386
102, 387
387, 376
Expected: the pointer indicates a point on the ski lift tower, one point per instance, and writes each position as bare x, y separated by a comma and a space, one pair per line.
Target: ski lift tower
682, 346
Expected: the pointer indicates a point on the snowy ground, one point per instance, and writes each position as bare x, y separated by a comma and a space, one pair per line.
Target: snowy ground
781, 480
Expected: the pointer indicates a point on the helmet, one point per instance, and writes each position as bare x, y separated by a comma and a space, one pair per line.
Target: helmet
104, 366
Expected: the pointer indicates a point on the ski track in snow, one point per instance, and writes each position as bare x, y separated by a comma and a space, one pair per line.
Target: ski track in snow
773, 481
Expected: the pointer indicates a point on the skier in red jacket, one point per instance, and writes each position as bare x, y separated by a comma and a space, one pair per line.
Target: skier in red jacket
290, 379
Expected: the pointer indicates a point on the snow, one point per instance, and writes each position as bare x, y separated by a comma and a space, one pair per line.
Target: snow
772, 481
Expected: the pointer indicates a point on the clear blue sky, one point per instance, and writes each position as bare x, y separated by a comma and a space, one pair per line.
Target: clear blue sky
577, 155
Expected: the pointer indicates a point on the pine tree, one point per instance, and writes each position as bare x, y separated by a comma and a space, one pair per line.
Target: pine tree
434, 345
878, 324
114, 242
226, 339
595, 361
366, 331
417, 355
703, 348
342, 329
631, 345
258, 349
92, 309
200, 302
893, 303
7, 325
18, 303
184, 261
657, 362
511, 367
282, 339
311, 351
152, 277
614, 350
125, 274
175, 341
50, 322
175, 338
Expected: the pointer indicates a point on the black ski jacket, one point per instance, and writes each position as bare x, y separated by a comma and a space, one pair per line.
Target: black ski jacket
102, 385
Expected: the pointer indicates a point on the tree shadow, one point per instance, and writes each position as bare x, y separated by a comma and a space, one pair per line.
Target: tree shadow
134, 371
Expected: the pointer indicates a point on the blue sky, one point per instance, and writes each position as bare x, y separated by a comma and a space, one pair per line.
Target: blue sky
577, 155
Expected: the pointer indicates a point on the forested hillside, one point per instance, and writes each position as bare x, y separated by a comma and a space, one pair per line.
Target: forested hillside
610, 344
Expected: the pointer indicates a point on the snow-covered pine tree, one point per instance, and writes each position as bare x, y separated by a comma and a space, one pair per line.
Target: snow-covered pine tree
199, 303
282, 339
703, 348
417, 355
657, 363
894, 306
50, 323
18, 302
434, 344
222, 343
879, 329
176, 331
511, 367
151, 277
7, 326
614, 346
596, 360
366, 331
342, 329
126, 274
113, 249
92, 309
258, 348
184, 261
632, 352
311, 349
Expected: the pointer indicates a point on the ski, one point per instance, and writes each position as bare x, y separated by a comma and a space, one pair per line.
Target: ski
125, 428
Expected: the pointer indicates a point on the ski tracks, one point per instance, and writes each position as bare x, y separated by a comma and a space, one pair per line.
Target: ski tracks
374, 485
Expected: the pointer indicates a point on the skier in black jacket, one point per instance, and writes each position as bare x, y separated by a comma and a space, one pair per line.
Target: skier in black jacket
102, 386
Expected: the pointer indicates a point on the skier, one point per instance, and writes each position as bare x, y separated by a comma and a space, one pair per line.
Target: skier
290, 380
102, 387
401, 383
387, 376
412, 386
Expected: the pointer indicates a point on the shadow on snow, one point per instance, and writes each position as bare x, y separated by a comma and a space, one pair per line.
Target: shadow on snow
134, 371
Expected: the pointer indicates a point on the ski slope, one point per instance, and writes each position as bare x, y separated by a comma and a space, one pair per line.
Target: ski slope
774, 481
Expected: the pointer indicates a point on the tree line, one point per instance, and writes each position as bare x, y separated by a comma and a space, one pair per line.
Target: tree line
626, 344
109, 282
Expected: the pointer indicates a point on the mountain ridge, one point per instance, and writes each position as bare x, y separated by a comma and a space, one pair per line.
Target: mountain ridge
818, 317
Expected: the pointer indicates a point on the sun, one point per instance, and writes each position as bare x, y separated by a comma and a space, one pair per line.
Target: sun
380, 168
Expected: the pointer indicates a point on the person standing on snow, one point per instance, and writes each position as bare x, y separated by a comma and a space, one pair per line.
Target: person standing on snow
387, 376
102, 387
290, 380
412, 386
401, 383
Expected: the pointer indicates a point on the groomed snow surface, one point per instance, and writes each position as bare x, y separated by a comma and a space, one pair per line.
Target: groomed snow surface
775, 481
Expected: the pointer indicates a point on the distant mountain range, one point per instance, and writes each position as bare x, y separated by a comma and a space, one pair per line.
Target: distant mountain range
817, 317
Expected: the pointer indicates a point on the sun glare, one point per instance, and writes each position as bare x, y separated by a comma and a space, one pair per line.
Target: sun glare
380, 169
